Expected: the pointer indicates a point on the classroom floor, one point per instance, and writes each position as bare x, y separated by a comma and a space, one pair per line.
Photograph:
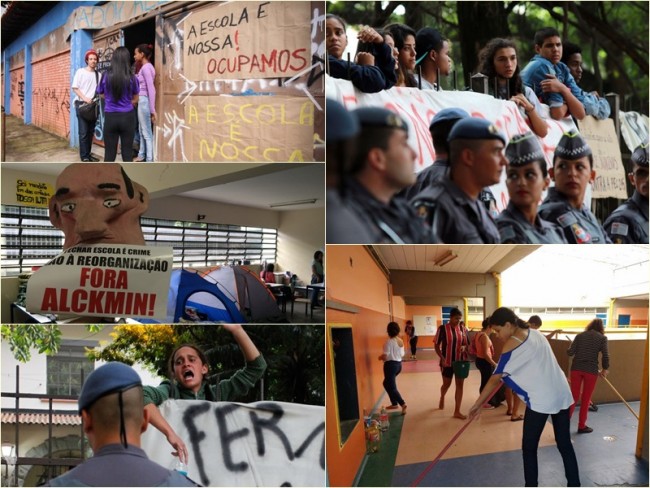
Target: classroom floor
488, 453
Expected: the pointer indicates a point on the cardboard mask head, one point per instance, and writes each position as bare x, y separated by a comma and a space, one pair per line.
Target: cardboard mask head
98, 203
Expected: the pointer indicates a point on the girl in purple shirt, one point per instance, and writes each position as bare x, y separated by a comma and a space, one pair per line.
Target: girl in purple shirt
147, 100
120, 90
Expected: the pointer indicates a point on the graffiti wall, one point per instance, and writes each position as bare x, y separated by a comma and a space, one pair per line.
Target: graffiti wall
17, 92
242, 81
233, 444
51, 94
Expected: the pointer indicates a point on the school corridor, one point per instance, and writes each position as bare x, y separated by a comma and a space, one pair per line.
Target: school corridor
488, 452
370, 286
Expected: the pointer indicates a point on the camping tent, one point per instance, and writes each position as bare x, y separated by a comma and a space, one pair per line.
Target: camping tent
221, 294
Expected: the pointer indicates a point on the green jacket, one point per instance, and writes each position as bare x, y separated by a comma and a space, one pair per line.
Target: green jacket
227, 390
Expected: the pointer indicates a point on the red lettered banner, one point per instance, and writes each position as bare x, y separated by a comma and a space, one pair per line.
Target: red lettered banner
418, 107
103, 280
247, 40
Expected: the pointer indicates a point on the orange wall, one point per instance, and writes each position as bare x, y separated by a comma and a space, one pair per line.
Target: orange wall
399, 311
353, 277
638, 316
363, 286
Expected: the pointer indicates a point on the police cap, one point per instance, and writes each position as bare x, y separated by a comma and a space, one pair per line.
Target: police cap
640, 155
474, 128
109, 378
448, 115
340, 124
523, 149
380, 118
572, 146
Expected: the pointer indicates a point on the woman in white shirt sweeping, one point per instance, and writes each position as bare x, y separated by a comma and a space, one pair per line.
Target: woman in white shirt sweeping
527, 365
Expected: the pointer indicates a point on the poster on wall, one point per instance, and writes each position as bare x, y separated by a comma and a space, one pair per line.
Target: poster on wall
103, 280
245, 40
425, 324
33, 193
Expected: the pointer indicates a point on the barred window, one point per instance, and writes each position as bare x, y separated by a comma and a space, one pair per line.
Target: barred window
67, 370
29, 239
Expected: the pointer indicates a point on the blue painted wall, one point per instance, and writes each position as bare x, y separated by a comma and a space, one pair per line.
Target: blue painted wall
54, 19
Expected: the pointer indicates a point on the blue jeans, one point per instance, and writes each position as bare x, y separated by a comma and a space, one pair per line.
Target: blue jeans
146, 135
391, 370
86, 132
534, 423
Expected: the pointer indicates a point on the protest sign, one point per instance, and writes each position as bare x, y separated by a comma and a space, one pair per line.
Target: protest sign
634, 129
259, 128
610, 174
33, 193
103, 280
242, 40
255, 444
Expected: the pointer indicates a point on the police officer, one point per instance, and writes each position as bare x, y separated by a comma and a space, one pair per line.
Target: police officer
112, 410
383, 165
343, 226
440, 127
452, 207
526, 180
628, 224
564, 204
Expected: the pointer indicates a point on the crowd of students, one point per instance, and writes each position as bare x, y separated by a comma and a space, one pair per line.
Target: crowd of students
374, 195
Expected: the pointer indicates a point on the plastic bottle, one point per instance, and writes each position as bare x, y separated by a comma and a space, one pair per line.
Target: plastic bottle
373, 436
181, 467
383, 419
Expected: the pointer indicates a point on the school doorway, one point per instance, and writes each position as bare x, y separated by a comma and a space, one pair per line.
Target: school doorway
140, 33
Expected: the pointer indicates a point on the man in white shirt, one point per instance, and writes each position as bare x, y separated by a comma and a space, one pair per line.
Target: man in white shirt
84, 85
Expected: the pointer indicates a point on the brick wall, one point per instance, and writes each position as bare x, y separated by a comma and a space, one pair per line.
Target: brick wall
17, 102
51, 94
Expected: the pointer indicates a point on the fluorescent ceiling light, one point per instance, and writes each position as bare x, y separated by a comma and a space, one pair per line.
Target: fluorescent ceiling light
445, 258
309, 201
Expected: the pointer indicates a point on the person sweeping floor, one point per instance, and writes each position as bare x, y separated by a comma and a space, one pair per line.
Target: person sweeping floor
528, 366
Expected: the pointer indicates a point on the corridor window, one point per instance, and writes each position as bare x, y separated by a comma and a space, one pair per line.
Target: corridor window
29, 240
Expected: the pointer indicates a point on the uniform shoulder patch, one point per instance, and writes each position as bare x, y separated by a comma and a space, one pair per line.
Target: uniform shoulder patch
619, 228
567, 219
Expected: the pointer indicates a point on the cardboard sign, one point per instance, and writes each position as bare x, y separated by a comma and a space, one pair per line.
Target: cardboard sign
244, 40
255, 444
33, 193
610, 173
242, 128
634, 129
103, 280
418, 107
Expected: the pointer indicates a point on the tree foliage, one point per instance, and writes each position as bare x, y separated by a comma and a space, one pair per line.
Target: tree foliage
294, 353
24, 338
613, 35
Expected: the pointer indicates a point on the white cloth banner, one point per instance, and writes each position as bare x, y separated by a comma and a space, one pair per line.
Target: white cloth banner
634, 129
236, 444
418, 108
103, 280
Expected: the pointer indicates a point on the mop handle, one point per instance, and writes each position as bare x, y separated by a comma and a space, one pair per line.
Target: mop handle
419, 479
620, 396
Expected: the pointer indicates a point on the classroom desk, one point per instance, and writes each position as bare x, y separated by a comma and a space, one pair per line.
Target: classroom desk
281, 292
